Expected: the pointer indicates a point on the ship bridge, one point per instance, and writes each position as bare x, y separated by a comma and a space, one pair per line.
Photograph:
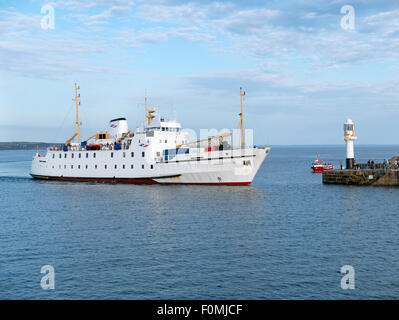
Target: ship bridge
160, 124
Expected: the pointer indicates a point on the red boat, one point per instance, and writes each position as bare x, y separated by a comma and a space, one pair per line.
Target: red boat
320, 166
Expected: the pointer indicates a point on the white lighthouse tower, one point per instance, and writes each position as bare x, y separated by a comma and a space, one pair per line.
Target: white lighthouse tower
349, 130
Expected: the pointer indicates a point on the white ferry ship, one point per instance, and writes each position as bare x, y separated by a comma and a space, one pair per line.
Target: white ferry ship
158, 151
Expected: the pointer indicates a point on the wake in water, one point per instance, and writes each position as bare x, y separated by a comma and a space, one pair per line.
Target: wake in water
14, 161
10, 178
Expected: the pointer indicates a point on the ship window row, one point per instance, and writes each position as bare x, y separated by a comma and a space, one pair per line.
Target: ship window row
94, 155
163, 129
73, 155
170, 129
105, 166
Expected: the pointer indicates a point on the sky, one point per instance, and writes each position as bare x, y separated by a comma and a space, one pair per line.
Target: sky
306, 66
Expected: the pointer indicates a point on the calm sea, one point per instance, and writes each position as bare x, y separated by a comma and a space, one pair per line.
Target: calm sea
284, 237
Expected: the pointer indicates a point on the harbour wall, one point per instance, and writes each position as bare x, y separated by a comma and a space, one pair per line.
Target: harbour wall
373, 177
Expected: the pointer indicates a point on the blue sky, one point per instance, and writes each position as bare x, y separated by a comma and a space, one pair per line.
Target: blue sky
303, 74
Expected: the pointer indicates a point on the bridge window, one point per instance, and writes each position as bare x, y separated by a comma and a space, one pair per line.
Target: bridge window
124, 154
142, 166
105, 166
72, 155
152, 166
123, 166
80, 155
65, 155
87, 155
53, 155
79, 166
71, 166
60, 156
143, 154
94, 155
112, 154
132, 154
87, 166
95, 167
131, 166
116, 167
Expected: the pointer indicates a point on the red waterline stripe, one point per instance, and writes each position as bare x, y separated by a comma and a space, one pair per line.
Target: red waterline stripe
102, 180
136, 181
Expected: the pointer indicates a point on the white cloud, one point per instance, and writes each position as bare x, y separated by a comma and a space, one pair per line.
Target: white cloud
191, 34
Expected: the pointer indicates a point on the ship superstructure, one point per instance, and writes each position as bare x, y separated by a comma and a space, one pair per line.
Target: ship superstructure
158, 151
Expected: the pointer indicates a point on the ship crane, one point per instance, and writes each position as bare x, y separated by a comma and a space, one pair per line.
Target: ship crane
87, 140
70, 139
123, 137
214, 140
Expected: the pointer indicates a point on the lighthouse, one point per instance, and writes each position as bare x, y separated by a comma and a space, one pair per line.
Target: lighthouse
349, 137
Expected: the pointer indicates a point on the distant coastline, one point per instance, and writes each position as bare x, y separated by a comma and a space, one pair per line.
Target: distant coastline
22, 145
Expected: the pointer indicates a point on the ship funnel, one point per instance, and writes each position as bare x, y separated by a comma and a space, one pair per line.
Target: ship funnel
117, 127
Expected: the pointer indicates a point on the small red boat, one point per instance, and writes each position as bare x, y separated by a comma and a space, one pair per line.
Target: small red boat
320, 166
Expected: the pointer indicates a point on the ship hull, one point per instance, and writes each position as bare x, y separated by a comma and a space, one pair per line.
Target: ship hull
132, 181
234, 167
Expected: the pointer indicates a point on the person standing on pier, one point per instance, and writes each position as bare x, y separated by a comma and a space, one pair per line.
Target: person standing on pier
386, 163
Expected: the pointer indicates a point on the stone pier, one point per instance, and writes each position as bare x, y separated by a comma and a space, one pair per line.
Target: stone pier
367, 177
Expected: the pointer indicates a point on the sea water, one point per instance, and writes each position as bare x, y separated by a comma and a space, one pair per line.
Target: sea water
284, 237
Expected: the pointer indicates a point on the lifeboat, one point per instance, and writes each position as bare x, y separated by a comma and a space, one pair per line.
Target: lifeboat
94, 146
319, 166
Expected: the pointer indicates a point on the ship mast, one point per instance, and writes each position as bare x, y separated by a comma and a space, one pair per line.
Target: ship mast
77, 101
148, 112
242, 121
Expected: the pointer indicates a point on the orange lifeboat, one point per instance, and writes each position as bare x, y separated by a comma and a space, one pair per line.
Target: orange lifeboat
94, 146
